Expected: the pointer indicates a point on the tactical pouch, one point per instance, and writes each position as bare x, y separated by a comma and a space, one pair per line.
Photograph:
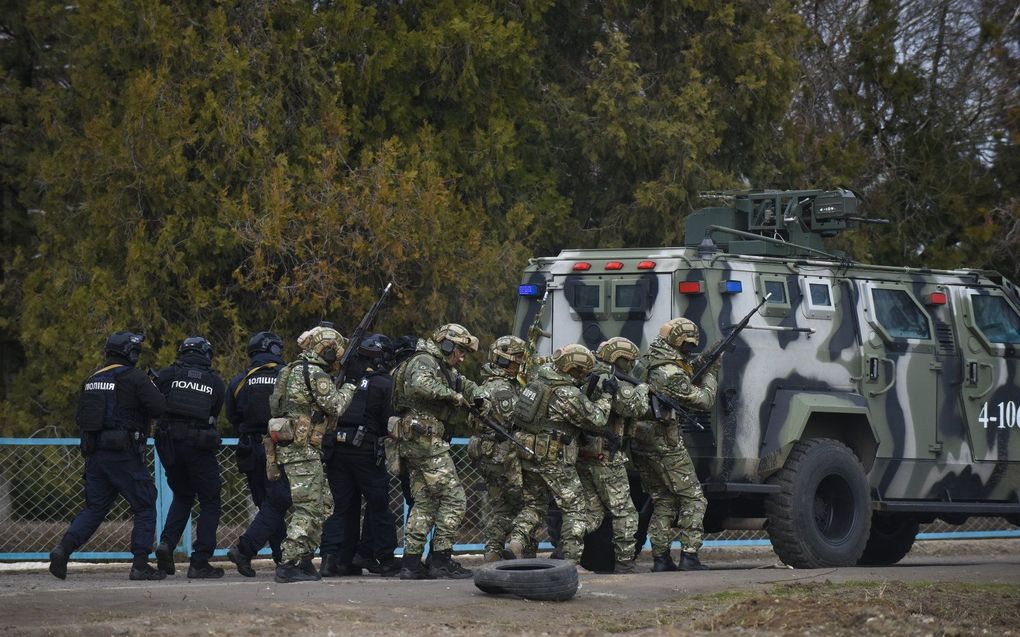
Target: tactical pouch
316, 434
528, 440
116, 440
302, 426
671, 434
541, 448
272, 469
281, 430
392, 449
644, 432
569, 453
91, 412
474, 448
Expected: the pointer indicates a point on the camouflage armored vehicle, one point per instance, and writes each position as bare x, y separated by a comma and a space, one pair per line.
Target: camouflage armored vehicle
860, 401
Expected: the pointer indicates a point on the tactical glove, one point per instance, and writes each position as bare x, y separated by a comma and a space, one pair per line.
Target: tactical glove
459, 399
483, 406
610, 385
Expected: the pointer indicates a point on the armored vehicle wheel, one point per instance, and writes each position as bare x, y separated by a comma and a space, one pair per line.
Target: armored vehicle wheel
890, 539
822, 515
539, 579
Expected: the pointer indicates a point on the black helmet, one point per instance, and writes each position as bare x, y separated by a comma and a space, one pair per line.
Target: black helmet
126, 345
197, 344
265, 342
375, 346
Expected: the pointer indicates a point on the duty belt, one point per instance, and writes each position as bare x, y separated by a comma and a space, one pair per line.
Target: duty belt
356, 436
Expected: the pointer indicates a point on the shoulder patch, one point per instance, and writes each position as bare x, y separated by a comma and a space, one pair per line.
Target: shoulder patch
684, 386
323, 385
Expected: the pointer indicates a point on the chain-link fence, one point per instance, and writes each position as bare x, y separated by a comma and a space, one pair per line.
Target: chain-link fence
41, 490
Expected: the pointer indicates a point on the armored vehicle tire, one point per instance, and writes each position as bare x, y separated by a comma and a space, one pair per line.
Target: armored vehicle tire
890, 540
822, 515
538, 579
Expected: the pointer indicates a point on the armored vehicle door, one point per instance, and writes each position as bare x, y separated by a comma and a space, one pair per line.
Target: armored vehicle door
989, 327
596, 307
900, 381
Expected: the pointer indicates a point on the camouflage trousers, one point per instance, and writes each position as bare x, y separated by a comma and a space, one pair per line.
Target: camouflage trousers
310, 497
669, 478
607, 492
506, 498
439, 500
561, 481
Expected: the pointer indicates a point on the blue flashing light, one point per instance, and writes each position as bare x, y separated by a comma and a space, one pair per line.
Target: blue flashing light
529, 290
731, 287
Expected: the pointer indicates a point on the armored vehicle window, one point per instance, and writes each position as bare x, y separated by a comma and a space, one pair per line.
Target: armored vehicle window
629, 296
778, 291
996, 319
899, 314
820, 294
587, 297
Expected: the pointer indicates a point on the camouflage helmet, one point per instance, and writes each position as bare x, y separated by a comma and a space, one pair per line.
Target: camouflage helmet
507, 350
574, 359
456, 335
323, 342
678, 331
616, 348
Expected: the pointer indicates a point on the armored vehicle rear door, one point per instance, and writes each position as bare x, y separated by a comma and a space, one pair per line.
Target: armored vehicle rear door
989, 328
900, 381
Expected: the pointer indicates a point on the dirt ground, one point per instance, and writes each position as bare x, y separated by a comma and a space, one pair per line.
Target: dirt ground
949, 588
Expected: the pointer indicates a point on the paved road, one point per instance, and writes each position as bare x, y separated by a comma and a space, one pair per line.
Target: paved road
101, 600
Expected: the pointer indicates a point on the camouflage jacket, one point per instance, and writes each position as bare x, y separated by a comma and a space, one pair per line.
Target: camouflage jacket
569, 410
666, 370
291, 397
631, 401
425, 385
501, 390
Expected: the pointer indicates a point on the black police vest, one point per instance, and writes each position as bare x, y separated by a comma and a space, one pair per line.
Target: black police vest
190, 396
257, 386
356, 412
97, 404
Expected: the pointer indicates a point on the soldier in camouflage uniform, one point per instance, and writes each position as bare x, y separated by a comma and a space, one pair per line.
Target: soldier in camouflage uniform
658, 451
601, 463
495, 459
427, 391
305, 405
550, 415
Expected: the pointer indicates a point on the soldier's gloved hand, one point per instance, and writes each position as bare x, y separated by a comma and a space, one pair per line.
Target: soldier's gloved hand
483, 406
459, 399
610, 385
349, 387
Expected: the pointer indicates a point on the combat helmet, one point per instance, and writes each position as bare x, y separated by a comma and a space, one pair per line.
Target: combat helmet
324, 343
574, 359
264, 342
507, 351
453, 335
196, 345
678, 331
617, 350
126, 345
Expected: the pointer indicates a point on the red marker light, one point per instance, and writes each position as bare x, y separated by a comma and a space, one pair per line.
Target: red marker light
937, 298
646, 265
582, 266
690, 287
614, 265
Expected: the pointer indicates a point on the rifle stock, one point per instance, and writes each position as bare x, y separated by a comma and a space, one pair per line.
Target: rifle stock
491, 423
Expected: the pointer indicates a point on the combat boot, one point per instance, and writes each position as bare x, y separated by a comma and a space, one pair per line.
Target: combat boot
623, 567
690, 562
389, 568
491, 556
557, 554
58, 562
663, 563
412, 568
445, 567
306, 566
514, 550
204, 570
241, 560
146, 572
165, 558
289, 571
367, 563
328, 567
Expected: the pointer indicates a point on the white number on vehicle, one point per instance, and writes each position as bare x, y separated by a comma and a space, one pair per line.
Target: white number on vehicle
1004, 414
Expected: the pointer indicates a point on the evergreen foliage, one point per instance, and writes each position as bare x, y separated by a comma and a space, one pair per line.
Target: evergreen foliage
222, 168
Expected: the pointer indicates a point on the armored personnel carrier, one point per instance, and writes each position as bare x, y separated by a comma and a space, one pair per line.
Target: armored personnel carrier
860, 401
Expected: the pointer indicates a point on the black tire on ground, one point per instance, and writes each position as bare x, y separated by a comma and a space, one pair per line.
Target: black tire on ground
822, 515
890, 539
538, 579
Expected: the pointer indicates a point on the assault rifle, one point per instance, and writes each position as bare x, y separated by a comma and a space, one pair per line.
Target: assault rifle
491, 423
534, 333
659, 399
359, 333
710, 359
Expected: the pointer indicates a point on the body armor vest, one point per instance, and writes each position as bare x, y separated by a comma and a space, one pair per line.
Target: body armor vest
97, 404
356, 411
190, 396
258, 385
531, 411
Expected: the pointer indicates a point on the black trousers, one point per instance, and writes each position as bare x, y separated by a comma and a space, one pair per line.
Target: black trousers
272, 497
353, 475
195, 473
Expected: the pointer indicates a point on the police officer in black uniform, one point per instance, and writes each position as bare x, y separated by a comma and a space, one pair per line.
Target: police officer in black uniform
355, 469
187, 442
116, 404
248, 410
